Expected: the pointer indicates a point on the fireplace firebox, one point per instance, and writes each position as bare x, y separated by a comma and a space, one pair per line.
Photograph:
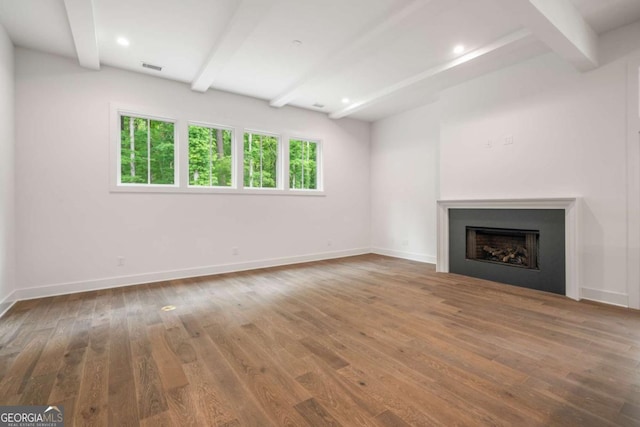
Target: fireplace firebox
512, 247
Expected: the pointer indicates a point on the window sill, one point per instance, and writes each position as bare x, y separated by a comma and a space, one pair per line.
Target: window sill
167, 189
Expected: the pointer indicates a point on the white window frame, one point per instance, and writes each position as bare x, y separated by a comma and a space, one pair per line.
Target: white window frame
116, 159
319, 163
279, 163
234, 159
181, 156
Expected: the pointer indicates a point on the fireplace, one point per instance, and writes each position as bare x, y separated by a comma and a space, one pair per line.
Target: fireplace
512, 247
522, 247
557, 223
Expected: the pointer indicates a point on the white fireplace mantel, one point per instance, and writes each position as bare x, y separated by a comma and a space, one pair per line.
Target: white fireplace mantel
570, 205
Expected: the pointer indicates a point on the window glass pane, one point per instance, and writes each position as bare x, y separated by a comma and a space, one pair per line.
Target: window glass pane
303, 165
162, 150
260, 160
134, 150
199, 156
125, 150
221, 164
210, 156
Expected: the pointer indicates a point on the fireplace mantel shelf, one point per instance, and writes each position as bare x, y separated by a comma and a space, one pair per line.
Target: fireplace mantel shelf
570, 205
538, 203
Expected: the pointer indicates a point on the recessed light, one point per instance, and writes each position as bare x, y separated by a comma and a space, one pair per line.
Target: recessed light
122, 41
458, 49
345, 100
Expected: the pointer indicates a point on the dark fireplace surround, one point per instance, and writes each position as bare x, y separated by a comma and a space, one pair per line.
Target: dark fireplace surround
522, 247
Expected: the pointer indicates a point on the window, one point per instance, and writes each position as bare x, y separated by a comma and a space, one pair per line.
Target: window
303, 165
260, 160
151, 151
210, 156
147, 151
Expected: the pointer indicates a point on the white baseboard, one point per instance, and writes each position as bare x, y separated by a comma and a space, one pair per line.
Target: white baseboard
430, 259
114, 282
607, 297
7, 303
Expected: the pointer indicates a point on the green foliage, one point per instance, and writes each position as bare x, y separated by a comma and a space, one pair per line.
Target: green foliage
260, 160
210, 160
303, 167
146, 151
147, 156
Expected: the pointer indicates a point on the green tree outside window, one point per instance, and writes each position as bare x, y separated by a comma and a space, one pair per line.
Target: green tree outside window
260, 160
146, 151
210, 156
303, 165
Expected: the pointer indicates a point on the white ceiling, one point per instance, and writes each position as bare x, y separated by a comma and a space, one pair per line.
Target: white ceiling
384, 55
606, 15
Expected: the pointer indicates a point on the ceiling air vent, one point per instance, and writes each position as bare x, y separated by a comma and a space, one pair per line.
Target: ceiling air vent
151, 66
318, 105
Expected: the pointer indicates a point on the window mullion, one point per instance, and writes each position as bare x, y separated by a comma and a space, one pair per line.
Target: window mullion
302, 166
132, 146
210, 158
261, 168
148, 151
251, 160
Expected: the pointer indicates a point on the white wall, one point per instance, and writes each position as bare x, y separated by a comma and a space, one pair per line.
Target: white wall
404, 184
570, 133
7, 184
72, 228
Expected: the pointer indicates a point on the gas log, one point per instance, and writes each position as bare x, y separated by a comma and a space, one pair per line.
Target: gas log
516, 248
513, 255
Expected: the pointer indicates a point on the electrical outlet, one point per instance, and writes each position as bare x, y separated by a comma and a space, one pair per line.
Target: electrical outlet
329, 243
488, 144
405, 242
120, 261
234, 251
508, 140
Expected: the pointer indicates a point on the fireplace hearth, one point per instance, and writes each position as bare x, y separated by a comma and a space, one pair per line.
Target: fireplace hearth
511, 247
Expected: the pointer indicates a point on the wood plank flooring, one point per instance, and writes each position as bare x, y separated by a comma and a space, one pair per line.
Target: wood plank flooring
360, 341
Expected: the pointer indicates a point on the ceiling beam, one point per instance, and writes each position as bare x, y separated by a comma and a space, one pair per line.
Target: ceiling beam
377, 96
560, 26
83, 30
347, 53
247, 15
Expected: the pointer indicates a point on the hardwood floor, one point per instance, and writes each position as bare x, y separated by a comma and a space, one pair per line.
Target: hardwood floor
361, 341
